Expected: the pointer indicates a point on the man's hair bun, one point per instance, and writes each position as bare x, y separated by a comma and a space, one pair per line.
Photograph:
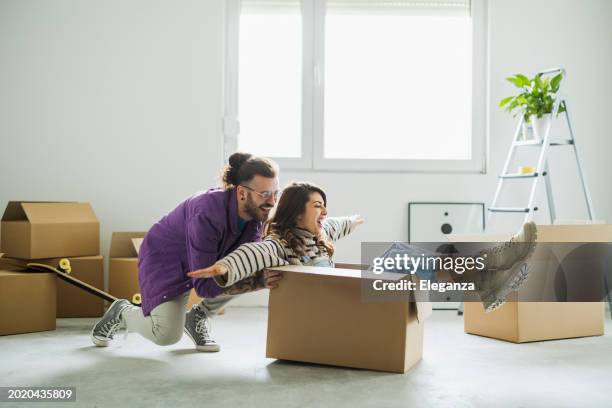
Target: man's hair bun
242, 167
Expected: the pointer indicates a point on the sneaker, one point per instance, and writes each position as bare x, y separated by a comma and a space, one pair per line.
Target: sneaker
197, 327
105, 329
507, 268
495, 290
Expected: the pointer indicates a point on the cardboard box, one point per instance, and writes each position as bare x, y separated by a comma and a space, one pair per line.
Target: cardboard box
123, 264
520, 322
317, 315
38, 230
75, 302
71, 300
27, 302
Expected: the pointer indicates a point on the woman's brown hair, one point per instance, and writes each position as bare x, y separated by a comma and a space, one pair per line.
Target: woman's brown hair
291, 205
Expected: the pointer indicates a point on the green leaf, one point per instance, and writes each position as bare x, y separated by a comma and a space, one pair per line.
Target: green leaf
538, 82
505, 100
517, 82
554, 83
523, 80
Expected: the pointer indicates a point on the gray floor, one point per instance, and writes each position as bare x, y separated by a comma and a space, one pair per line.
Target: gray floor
457, 370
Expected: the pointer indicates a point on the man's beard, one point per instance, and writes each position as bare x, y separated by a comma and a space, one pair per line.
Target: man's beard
257, 213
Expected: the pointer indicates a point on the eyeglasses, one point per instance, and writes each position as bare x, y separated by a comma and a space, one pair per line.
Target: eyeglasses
266, 195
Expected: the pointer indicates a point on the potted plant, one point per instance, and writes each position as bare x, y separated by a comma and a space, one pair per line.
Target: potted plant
535, 101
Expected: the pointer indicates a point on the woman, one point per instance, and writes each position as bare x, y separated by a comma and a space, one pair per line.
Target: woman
199, 231
300, 233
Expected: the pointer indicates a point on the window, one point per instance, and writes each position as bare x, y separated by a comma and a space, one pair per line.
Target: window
358, 84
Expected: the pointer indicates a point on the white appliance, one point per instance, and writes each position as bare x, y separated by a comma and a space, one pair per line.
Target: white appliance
431, 221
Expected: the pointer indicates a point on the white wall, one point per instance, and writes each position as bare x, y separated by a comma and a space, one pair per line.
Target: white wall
113, 102
120, 102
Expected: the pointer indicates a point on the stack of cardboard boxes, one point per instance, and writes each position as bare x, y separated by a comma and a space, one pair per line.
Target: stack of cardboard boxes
46, 232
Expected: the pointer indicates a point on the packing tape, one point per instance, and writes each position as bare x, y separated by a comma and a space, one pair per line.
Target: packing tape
64, 265
136, 299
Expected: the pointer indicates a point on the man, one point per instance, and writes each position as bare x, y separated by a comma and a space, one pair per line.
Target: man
198, 232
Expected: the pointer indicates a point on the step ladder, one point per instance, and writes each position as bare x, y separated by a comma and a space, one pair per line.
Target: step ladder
541, 172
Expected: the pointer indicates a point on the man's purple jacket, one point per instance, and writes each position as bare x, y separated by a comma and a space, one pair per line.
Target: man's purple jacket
198, 232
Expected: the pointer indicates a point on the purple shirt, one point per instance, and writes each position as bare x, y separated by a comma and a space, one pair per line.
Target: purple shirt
198, 232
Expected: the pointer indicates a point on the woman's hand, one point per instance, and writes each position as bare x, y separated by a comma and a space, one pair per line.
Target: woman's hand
359, 220
261, 280
213, 270
271, 278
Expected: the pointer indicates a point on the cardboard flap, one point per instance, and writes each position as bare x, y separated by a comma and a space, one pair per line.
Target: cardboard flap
58, 212
421, 300
424, 310
122, 245
137, 242
341, 272
14, 212
359, 267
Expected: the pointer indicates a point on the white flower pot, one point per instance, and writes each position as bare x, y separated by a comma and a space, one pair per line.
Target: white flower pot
541, 125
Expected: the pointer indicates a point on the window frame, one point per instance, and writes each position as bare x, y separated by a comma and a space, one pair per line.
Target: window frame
313, 82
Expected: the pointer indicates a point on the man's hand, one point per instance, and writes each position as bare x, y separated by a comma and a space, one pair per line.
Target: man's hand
214, 270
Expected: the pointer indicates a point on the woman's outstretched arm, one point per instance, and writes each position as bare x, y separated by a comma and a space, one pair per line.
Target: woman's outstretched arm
245, 261
340, 227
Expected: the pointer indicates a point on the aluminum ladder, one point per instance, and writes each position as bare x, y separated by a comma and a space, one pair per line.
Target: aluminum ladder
541, 170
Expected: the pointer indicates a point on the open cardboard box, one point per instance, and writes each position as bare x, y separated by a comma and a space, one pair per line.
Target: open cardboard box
38, 230
317, 315
518, 321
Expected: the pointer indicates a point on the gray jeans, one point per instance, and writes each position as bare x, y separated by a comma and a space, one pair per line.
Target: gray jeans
164, 326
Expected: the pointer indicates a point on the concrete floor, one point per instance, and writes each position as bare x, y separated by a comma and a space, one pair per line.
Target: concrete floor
457, 370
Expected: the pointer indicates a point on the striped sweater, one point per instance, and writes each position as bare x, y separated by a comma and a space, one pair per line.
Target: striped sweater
253, 257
